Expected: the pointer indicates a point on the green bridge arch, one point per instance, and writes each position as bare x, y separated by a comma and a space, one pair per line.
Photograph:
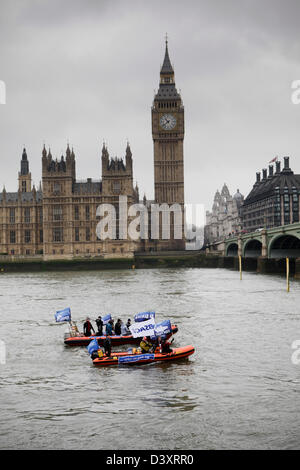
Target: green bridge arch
278, 242
284, 245
252, 248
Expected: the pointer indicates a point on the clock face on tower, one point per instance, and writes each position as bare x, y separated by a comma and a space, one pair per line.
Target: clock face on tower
167, 121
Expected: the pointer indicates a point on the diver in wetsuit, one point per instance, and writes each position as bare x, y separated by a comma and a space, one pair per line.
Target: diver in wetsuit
118, 327
88, 327
99, 324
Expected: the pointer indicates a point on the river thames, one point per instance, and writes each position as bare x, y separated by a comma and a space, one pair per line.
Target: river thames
240, 390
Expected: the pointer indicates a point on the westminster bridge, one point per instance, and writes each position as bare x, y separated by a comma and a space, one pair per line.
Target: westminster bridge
277, 242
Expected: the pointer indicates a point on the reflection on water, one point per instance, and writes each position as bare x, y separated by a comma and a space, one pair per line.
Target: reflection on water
239, 389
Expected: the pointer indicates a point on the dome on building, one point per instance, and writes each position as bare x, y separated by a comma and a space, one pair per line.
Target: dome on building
238, 195
238, 198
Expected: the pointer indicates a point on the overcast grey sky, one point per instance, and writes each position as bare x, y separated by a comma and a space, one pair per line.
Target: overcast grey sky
83, 71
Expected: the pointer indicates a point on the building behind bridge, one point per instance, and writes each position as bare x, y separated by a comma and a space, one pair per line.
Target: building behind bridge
225, 218
273, 200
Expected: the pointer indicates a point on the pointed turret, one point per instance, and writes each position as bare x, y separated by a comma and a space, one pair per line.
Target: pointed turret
128, 157
217, 197
167, 66
44, 159
49, 156
104, 151
104, 158
24, 175
136, 194
225, 191
68, 156
4, 194
128, 151
68, 152
24, 163
167, 89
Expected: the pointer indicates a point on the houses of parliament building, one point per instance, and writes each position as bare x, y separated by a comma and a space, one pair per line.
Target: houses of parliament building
58, 219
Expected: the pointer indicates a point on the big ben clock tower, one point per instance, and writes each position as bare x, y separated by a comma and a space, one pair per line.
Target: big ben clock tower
168, 135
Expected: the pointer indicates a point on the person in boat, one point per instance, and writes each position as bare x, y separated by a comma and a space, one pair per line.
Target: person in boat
128, 324
74, 329
124, 330
99, 324
97, 354
146, 345
107, 346
109, 328
118, 327
88, 327
166, 345
156, 343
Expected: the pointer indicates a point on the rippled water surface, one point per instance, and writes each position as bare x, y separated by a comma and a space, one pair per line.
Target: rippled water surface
239, 390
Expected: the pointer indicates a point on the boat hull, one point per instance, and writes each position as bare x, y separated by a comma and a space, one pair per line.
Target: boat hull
175, 355
115, 340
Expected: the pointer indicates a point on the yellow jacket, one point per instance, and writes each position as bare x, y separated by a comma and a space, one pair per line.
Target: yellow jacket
145, 345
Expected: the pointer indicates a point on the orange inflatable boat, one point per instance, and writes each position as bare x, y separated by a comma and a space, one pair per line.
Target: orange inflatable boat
81, 340
126, 358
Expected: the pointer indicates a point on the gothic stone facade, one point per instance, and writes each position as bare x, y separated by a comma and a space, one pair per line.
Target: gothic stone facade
21, 216
59, 220
225, 217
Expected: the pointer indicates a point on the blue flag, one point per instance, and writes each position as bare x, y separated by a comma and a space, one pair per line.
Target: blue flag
163, 328
63, 315
143, 316
106, 319
93, 346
